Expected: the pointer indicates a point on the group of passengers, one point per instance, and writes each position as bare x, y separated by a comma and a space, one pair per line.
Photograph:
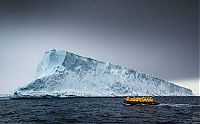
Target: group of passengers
139, 99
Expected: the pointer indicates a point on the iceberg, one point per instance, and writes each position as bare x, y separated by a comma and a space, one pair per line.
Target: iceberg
64, 74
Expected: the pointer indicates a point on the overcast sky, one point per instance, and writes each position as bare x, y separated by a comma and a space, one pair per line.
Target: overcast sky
158, 37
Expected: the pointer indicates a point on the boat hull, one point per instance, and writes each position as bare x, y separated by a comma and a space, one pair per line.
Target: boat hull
139, 103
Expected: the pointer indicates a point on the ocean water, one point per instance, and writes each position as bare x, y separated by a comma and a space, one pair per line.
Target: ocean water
181, 110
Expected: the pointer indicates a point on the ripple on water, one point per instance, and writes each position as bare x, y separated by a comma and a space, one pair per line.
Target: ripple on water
99, 110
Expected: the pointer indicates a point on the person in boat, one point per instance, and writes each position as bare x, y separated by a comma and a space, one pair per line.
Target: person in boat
139, 99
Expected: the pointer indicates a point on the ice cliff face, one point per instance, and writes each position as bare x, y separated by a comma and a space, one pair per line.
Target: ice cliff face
62, 74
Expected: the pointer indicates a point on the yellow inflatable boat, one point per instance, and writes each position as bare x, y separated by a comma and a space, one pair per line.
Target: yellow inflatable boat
139, 100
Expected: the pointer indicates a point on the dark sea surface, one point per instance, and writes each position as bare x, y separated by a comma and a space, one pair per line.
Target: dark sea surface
182, 110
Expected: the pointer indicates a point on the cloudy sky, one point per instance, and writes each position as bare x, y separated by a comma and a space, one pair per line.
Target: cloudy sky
153, 36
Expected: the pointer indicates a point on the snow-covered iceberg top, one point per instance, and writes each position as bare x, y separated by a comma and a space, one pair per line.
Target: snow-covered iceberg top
63, 74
